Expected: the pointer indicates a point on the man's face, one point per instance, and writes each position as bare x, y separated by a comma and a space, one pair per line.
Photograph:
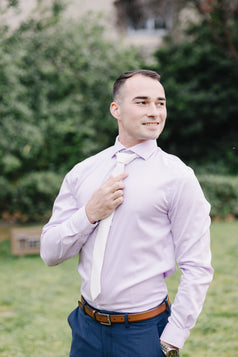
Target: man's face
140, 109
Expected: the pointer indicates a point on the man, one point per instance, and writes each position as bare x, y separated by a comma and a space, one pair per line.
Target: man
159, 215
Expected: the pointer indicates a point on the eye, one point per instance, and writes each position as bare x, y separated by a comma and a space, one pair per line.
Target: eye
160, 104
141, 102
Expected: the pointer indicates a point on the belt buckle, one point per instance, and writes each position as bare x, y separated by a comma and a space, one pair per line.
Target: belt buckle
108, 322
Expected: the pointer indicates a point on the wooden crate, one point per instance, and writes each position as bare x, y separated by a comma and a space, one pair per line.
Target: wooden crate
25, 240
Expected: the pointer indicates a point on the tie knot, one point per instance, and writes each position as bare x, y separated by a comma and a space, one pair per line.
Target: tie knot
125, 158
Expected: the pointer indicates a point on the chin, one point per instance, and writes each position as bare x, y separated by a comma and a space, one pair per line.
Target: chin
153, 136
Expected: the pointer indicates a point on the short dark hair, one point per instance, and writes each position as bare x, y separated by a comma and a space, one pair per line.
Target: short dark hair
124, 76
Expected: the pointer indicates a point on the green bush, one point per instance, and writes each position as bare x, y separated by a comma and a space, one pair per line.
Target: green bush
5, 194
33, 196
222, 193
55, 91
200, 80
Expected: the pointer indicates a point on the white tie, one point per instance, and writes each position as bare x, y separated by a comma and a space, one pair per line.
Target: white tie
103, 230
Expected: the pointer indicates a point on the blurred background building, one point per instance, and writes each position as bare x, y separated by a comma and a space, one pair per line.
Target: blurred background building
137, 22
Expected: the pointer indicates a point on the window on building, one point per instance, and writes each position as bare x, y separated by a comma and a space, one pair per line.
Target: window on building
147, 16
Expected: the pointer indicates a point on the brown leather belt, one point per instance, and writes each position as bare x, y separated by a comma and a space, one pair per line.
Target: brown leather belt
107, 319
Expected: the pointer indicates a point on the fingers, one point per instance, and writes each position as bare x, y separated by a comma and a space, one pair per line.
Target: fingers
117, 194
106, 198
121, 176
117, 186
114, 184
118, 178
114, 195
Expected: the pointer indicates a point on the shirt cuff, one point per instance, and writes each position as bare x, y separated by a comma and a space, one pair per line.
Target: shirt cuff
78, 224
174, 336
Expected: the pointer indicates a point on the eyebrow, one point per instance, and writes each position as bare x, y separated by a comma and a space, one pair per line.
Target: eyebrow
145, 97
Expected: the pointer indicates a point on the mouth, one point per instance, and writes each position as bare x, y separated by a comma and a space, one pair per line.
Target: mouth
152, 123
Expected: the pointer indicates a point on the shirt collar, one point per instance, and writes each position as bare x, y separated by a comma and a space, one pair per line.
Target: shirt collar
144, 149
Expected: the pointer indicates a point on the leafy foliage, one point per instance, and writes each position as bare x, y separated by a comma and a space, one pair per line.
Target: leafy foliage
201, 82
222, 193
58, 90
56, 79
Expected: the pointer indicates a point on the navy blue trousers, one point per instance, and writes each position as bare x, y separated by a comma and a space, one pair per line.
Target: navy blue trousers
137, 339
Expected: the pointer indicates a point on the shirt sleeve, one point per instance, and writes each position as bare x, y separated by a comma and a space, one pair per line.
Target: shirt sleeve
68, 229
190, 226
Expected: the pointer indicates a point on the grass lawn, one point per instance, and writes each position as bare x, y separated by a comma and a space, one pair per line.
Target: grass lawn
35, 301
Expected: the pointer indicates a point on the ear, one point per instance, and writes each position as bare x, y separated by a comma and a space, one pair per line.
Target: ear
115, 110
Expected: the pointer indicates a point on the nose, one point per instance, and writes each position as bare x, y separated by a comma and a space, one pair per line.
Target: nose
152, 110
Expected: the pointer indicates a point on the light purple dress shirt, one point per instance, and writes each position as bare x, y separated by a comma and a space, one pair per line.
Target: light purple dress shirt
164, 218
